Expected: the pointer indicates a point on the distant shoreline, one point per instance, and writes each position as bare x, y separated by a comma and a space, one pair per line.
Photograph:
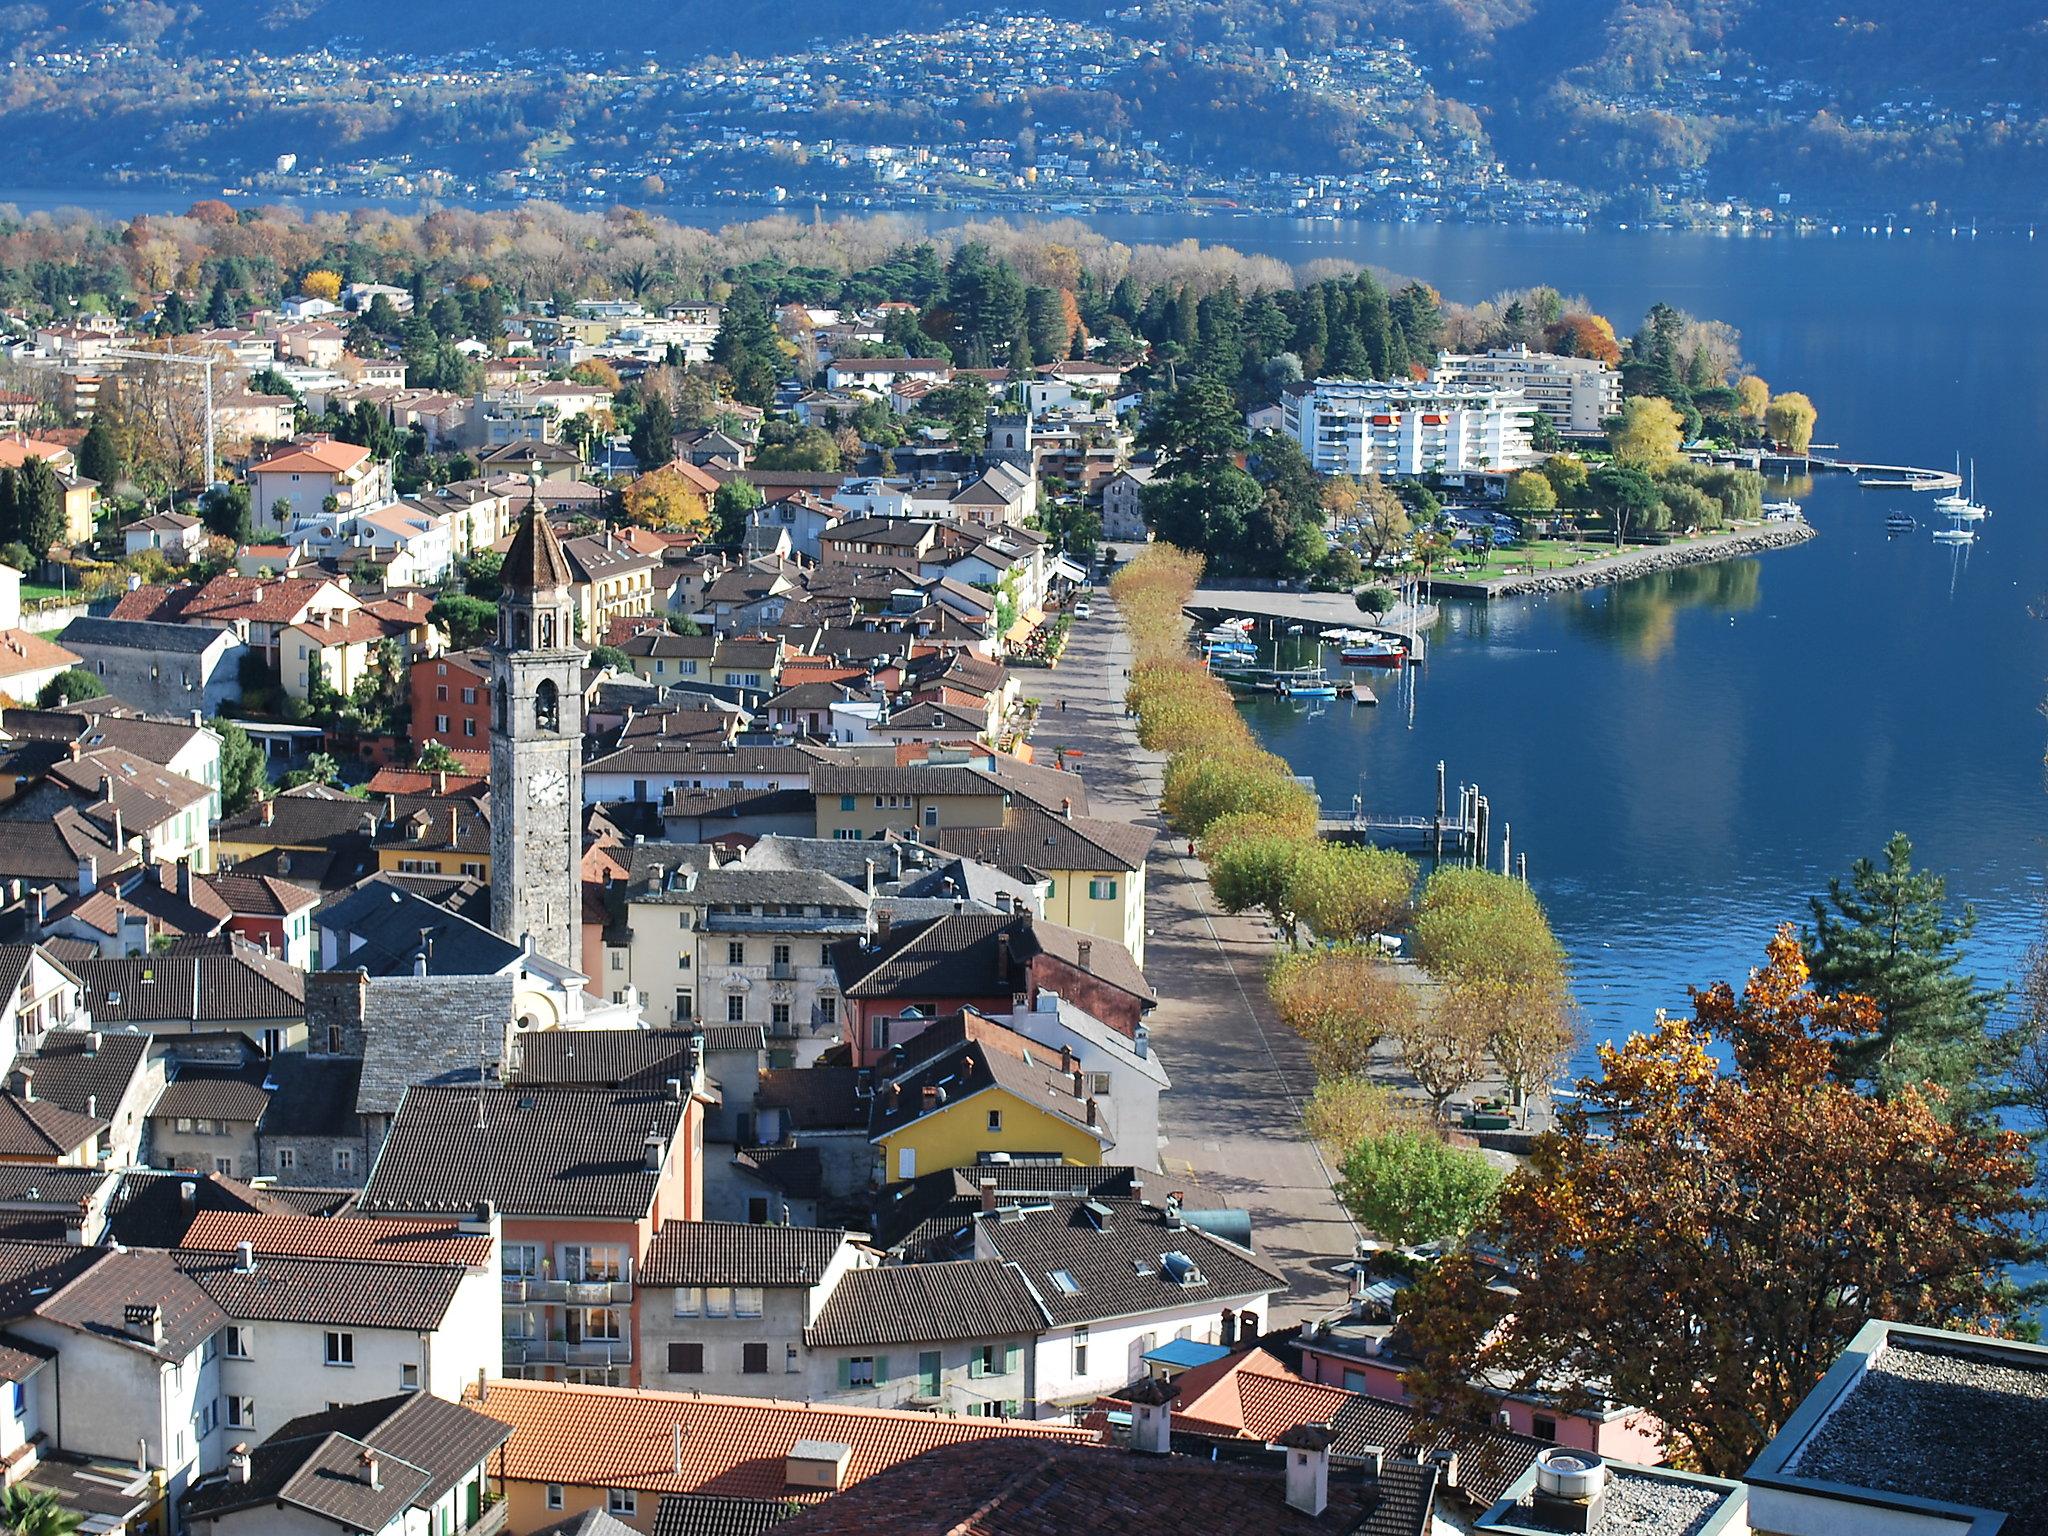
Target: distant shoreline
1629, 564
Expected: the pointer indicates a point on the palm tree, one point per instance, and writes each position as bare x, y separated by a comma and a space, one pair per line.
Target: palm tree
30, 1512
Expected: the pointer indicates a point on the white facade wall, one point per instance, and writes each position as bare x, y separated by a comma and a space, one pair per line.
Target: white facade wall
1359, 427
1578, 394
111, 1400
1116, 1347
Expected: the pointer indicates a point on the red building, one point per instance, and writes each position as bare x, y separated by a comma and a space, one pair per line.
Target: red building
451, 701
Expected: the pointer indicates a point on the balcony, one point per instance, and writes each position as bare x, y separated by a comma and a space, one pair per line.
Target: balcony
781, 970
564, 1352
575, 1293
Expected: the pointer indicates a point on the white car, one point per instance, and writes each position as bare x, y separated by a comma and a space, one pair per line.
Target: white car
1081, 610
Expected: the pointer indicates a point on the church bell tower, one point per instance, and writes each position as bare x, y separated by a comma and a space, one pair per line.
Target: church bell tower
537, 749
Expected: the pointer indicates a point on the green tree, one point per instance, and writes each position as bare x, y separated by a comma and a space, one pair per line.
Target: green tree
243, 773
1627, 495
41, 501
437, 757
610, 656
480, 575
99, 456
320, 768
731, 506
1567, 476
1196, 430
1530, 494
813, 449
1348, 893
70, 686
1375, 600
1409, 1186
26, 1511
654, 433
225, 511
1259, 872
467, 620
1886, 934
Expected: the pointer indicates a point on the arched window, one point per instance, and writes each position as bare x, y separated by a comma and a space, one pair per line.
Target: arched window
547, 631
525, 633
547, 706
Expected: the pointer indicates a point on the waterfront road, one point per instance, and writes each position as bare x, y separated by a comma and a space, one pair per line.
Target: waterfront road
1232, 1121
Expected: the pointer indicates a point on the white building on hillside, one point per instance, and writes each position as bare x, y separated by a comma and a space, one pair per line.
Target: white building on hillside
1360, 426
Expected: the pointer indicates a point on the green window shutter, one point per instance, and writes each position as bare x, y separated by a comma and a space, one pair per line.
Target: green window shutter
881, 1369
845, 1373
1013, 1356
974, 1366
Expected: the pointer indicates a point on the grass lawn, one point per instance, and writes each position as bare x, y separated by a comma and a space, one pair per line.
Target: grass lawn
31, 591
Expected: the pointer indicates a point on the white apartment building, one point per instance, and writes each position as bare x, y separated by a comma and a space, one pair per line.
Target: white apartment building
1578, 394
1362, 426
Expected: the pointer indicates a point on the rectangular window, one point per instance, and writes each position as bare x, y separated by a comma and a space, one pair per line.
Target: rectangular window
241, 1413
344, 1160
828, 1008
521, 1259
685, 1359
1102, 890
554, 1495
469, 727
746, 1301
441, 724
224, 1166
859, 1371
469, 695
622, 1501
1081, 1351
778, 1013
1543, 1428
995, 1119
753, 1359
718, 1301
689, 1301
441, 693
237, 1342
780, 954
735, 952
736, 1009
341, 1348
408, 1378
686, 1004
931, 815
847, 802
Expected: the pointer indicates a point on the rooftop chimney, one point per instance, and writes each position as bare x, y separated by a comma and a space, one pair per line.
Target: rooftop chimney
1094, 1115
1076, 1077
245, 1258
1571, 1488
26, 1076
267, 812
1308, 1467
373, 1472
1086, 951
88, 873
988, 1194
1067, 807
1151, 1403
184, 869
188, 1197
238, 1463
655, 1150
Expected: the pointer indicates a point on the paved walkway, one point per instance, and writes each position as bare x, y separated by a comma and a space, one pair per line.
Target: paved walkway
1233, 1118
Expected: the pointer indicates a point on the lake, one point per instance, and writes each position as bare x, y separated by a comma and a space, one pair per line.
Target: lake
1685, 759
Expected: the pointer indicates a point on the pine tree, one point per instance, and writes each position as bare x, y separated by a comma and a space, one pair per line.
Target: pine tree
654, 434
1886, 934
41, 499
220, 307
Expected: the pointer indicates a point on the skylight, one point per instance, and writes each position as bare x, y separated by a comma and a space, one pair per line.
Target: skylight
1065, 1282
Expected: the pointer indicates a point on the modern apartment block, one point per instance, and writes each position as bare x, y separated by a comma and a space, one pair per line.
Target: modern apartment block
1578, 394
1362, 426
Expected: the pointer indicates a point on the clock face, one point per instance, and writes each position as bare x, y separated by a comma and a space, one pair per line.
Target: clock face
550, 787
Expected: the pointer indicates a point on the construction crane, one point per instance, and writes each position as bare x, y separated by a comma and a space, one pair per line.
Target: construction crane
200, 360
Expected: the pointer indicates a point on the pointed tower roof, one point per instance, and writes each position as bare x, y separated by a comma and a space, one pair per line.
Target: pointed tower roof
535, 562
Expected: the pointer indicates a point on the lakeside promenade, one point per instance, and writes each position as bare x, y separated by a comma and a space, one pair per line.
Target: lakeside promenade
1232, 1120
1628, 564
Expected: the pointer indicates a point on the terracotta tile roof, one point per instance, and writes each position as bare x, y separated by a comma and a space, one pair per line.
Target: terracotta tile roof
1020, 1487
814, 1098
961, 956
257, 599
1251, 1395
738, 1253
962, 1055
1034, 838
384, 1239
979, 1299
259, 895
619, 1437
321, 456
21, 1358
149, 1209
23, 650
538, 1152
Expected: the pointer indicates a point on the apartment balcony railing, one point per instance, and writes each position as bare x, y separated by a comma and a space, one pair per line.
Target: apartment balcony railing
781, 970
575, 1293
563, 1352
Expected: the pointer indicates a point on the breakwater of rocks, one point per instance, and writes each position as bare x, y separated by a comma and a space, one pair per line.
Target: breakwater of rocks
1625, 567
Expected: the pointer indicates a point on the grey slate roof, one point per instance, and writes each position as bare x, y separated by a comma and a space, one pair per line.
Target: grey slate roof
234, 984
342, 1293
141, 635
538, 1152
1033, 838
430, 1030
1114, 1252
711, 1514
603, 1058
978, 1299
738, 1253
313, 1096
814, 1098
389, 927
201, 1093
86, 1071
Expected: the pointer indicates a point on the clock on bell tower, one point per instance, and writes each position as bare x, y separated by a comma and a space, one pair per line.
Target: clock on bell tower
537, 748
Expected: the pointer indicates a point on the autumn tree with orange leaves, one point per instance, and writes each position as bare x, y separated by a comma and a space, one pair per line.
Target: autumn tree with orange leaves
1709, 1251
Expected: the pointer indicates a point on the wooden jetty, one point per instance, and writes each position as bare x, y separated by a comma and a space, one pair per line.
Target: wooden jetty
1464, 834
1871, 477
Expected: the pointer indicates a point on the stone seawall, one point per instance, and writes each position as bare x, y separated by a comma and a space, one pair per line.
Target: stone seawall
1642, 562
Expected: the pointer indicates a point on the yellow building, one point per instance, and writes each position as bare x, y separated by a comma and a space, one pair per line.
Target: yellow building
974, 1088
1094, 870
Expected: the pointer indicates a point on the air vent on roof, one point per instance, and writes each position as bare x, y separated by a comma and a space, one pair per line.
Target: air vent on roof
1097, 1214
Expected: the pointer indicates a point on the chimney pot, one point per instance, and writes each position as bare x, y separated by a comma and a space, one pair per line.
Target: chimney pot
988, 1194
245, 1258
1086, 953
